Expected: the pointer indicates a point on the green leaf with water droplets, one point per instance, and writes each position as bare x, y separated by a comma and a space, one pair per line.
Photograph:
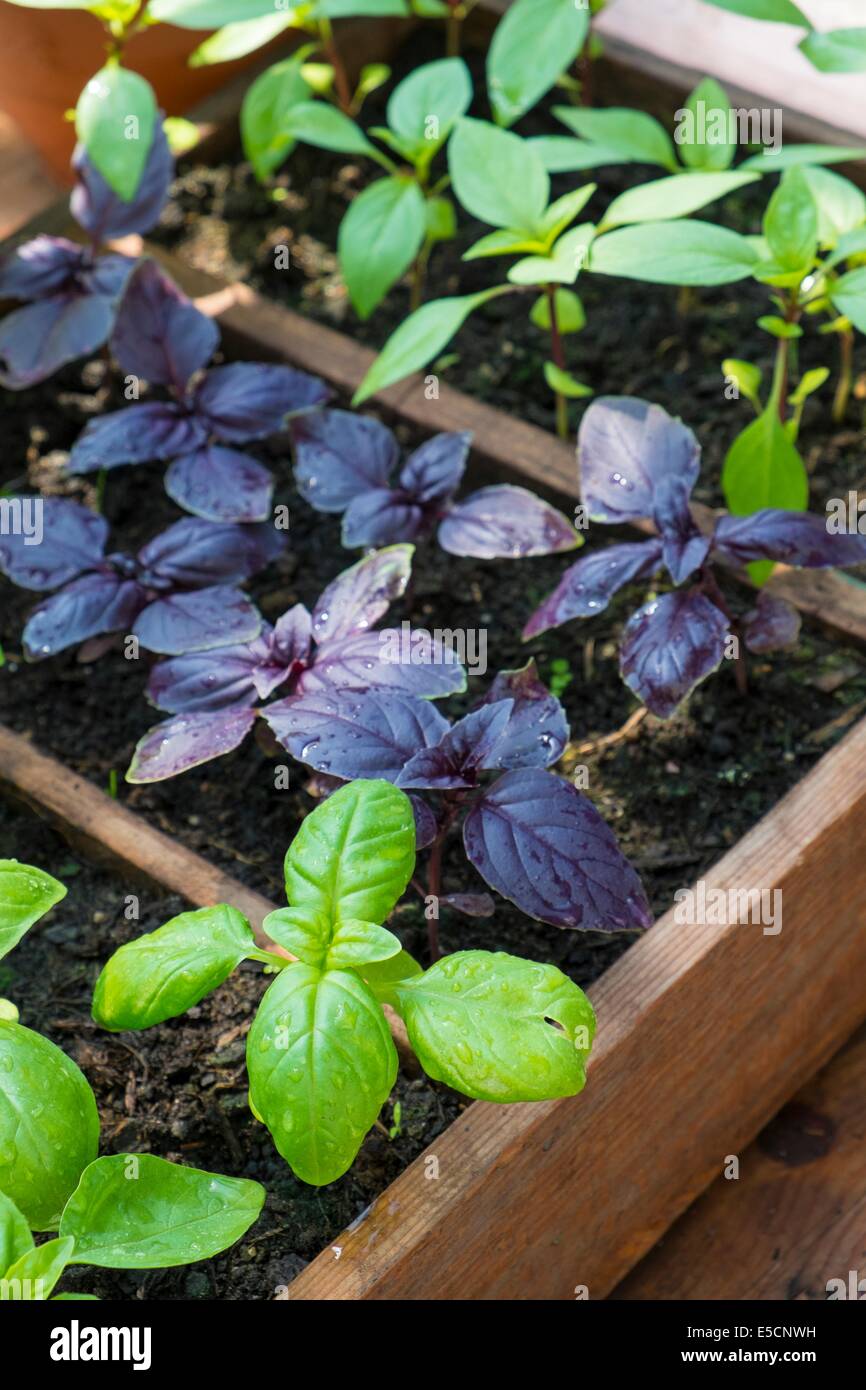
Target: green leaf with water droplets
321, 1064
15, 1237
34, 1275
26, 894
480, 1022
135, 1211
49, 1128
166, 972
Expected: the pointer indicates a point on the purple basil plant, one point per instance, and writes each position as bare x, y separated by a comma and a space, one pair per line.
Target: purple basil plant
532, 836
174, 596
214, 695
346, 462
71, 293
636, 461
161, 337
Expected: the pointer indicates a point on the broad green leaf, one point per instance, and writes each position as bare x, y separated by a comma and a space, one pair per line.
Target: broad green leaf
532, 44
114, 120
504, 243
166, 972
303, 932
319, 123
791, 222
633, 134
136, 1211
763, 469
841, 204
563, 211
379, 238
570, 314
321, 1064
565, 262
356, 944
775, 161
564, 384
674, 253
419, 339
239, 39
849, 297
15, 1237
424, 107
49, 1128
562, 154
26, 894
209, 14
381, 974
746, 377
271, 96
497, 176
478, 1020
354, 854
703, 132
781, 11
34, 1275
441, 219
675, 196
840, 50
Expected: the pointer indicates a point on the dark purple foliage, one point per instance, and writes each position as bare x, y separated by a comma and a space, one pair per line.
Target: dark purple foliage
162, 338
175, 596
345, 463
322, 660
637, 462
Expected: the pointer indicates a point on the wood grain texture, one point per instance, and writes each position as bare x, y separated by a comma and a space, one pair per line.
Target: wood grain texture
795, 1217
704, 1031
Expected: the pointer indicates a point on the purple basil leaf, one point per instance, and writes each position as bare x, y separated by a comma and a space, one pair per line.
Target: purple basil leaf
292, 636
426, 824
537, 730
505, 522
160, 335
433, 472
198, 553
87, 607
186, 741
39, 339
105, 216
209, 680
152, 430
381, 517
340, 455
669, 645
372, 661
771, 624
684, 548
461, 753
221, 485
544, 846
588, 585
71, 539
197, 621
41, 267
626, 448
355, 735
794, 538
470, 904
249, 400
358, 597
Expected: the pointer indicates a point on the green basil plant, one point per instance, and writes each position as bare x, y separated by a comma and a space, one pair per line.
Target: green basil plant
832, 50
320, 1056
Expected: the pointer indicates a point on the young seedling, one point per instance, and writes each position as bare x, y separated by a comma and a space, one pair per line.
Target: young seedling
533, 46
346, 463
161, 337
26, 894
215, 696
637, 462
320, 1057
174, 596
531, 835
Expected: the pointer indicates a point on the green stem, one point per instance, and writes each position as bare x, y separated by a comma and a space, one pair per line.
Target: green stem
268, 958
843, 386
344, 91
557, 352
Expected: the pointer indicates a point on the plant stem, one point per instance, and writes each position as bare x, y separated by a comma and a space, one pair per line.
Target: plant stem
434, 884
344, 91
557, 352
711, 588
452, 33
843, 387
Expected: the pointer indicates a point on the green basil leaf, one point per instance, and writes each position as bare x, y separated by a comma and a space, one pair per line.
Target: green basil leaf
565, 262
49, 1128
478, 1021
674, 253
135, 1211
672, 197
238, 39
353, 9
504, 243
26, 894
15, 1237
379, 238
497, 176
115, 119
354, 854
850, 244
564, 384
849, 297
631, 134
774, 161
560, 154
166, 972
563, 211
74, 1298
319, 123
841, 205
570, 313
746, 377
356, 944
419, 339
533, 43
840, 50
440, 219
381, 974
791, 222
781, 11
302, 931
321, 1064
809, 383
763, 469
208, 14
34, 1275
703, 132
424, 107
265, 140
